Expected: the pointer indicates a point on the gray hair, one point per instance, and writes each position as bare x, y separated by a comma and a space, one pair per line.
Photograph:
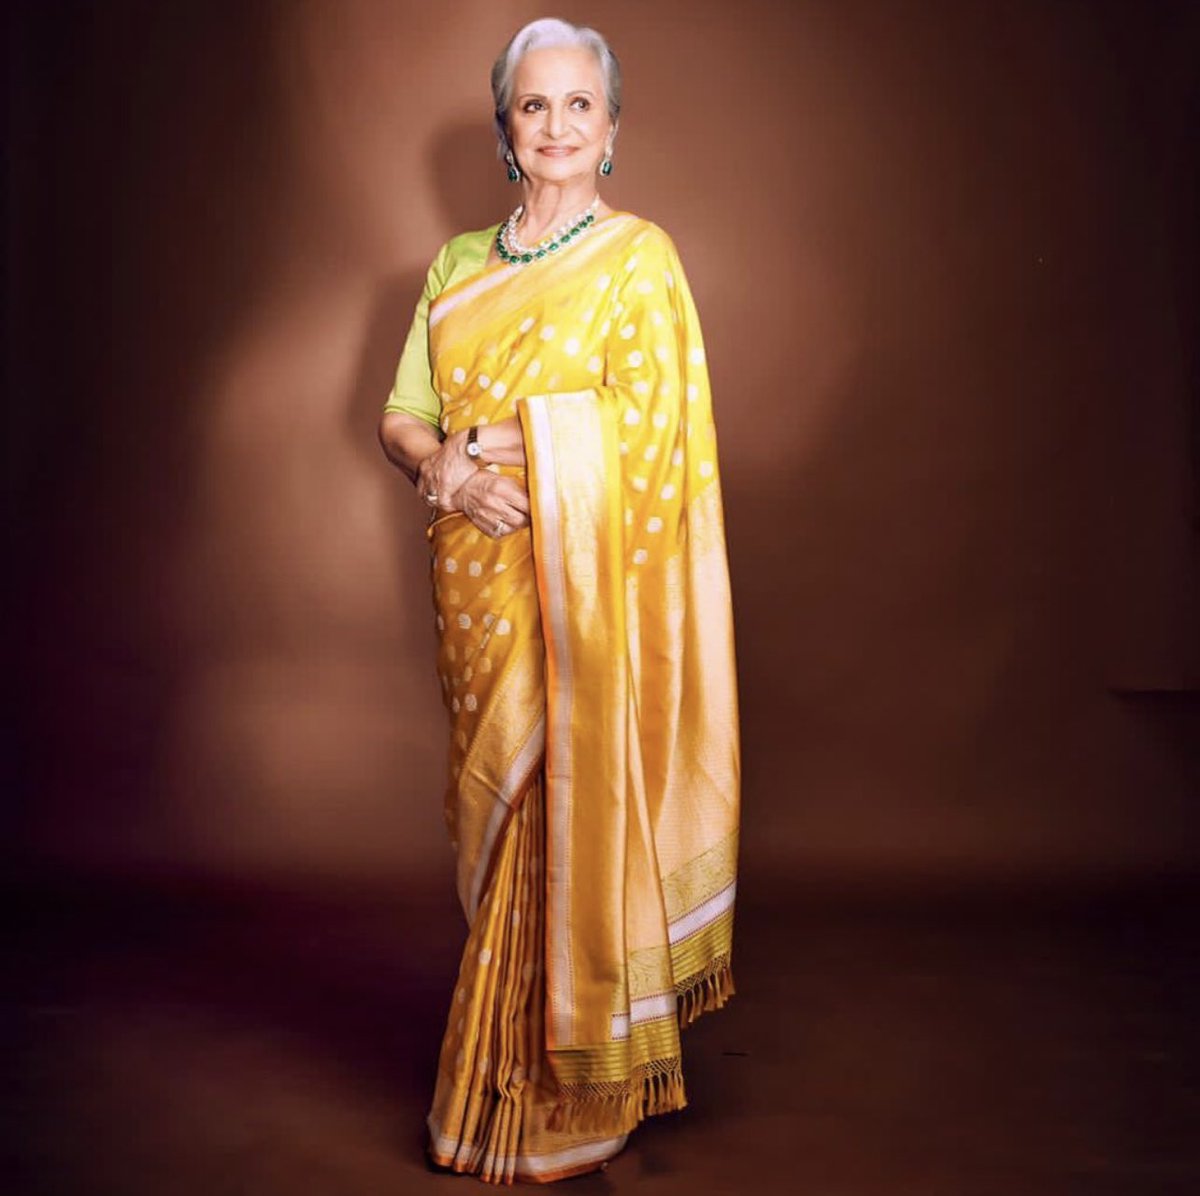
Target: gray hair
546, 33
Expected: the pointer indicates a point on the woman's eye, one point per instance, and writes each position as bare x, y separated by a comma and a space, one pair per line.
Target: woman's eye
582, 102
531, 105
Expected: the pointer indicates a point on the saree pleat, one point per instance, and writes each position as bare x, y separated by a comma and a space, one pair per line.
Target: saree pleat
587, 666
494, 1093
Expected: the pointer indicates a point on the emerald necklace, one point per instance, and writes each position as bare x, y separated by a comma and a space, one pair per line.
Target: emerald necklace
514, 253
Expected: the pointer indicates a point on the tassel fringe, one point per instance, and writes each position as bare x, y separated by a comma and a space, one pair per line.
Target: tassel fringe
705, 992
616, 1108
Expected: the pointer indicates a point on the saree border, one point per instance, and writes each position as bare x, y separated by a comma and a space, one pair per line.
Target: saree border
447, 1151
490, 277
560, 684
703, 915
651, 1045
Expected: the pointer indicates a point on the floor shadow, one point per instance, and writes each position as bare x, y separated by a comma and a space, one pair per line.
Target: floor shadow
897, 1042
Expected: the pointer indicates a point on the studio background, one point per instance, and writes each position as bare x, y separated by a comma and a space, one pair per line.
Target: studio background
943, 257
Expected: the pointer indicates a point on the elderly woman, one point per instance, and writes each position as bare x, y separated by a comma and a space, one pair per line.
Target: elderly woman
552, 407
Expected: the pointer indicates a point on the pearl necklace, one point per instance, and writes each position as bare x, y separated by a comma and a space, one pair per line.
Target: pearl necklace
512, 251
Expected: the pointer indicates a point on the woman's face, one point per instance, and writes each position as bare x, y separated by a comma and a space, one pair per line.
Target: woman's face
558, 119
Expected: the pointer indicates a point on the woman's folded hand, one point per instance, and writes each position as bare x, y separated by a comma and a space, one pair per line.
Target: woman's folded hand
444, 471
494, 502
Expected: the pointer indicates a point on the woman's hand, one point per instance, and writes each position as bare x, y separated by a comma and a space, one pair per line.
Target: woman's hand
494, 502
444, 471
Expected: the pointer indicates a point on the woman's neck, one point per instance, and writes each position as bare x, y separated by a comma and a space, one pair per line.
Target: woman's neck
548, 207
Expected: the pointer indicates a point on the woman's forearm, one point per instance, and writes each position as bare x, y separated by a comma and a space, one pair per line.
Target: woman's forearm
407, 440
501, 442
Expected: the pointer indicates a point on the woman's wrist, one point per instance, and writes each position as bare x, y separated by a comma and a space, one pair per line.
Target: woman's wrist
419, 465
500, 443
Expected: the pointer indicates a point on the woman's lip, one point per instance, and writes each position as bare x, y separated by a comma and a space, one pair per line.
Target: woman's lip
556, 151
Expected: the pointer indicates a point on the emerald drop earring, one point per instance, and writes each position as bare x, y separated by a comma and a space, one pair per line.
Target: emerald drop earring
514, 173
606, 165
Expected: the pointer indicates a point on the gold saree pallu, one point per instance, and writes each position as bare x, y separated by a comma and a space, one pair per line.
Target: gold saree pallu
589, 659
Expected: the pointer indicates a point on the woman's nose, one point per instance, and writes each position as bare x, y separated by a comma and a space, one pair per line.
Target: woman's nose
556, 121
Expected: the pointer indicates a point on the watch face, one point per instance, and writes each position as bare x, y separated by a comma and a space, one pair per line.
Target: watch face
473, 449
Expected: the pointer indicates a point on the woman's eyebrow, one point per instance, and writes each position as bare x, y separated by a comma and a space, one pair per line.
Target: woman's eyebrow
537, 95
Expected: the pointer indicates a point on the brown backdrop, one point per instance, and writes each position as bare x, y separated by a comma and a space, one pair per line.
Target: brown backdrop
941, 254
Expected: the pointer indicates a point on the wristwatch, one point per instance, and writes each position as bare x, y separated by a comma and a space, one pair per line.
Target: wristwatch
474, 451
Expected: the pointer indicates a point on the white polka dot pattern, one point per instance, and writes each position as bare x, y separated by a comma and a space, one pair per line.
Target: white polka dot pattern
629, 334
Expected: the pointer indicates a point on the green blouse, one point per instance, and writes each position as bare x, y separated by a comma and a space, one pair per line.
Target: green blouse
413, 391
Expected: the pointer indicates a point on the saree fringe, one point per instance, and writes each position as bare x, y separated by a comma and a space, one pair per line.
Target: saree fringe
618, 1108
706, 992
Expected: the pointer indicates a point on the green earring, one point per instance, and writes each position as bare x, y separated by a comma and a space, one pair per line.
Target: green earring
514, 173
606, 166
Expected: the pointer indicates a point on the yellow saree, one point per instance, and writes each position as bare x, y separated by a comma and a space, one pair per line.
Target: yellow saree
587, 665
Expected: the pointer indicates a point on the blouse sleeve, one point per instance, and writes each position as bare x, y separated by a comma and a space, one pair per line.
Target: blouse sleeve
412, 391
